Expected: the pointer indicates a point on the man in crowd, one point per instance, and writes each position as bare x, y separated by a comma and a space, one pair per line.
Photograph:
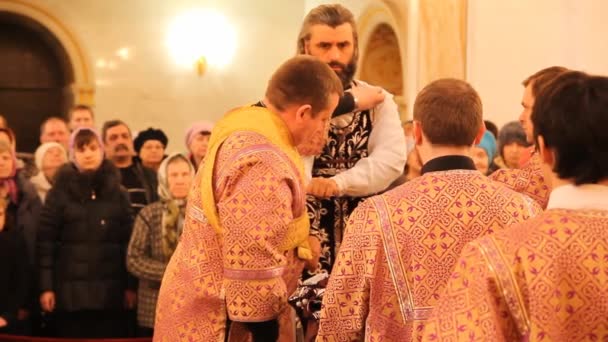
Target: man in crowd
544, 279
81, 116
55, 129
529, 180
140, 182
246, 229
400, 247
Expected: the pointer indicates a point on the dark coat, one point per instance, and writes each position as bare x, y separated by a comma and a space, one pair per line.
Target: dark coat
83, 235
24, 214
14, 274
149, 180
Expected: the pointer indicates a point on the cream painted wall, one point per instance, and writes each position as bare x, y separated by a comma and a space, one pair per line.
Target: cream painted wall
148, 89
506, 41
510, 40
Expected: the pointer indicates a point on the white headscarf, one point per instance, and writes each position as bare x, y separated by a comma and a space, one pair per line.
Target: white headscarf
43, 149
174, 210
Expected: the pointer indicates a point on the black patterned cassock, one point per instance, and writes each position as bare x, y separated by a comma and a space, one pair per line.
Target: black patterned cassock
346, 145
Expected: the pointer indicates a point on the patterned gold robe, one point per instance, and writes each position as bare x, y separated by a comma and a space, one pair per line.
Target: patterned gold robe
400, 248
542, 280
529, 180
246, 216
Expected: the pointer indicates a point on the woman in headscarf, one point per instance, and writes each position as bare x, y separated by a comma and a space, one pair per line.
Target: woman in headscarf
197, 140
150, 147
156, 233
49, 157
512, 145
84, 231
23, 202
483, 154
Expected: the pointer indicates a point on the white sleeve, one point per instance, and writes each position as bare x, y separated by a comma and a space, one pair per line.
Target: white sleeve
308, 164
386, 155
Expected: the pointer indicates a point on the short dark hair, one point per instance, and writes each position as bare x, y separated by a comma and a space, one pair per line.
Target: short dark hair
491, 126
83, 138
543, 77
450, 112
511, 132
110, 124
81, 107
303, 80
571, 114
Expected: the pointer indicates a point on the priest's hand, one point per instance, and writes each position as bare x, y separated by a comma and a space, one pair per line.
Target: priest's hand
323, 187
47, 301
3, 322
130, 299
367, 96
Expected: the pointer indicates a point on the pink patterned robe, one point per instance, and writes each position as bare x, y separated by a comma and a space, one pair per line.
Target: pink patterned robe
542, 280
529, 180
399, 250
243, 273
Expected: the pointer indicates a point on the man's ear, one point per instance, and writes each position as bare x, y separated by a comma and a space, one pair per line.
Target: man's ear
479, 136
417, 131
307, 47
302, 111
547, 154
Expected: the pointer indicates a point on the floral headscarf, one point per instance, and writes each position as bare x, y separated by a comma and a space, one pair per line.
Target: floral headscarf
174, 210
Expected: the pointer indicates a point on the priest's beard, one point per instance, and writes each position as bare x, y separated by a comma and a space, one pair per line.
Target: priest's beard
347, 72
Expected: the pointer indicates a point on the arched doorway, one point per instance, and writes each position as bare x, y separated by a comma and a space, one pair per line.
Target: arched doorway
386, 58
35, 77
381, 60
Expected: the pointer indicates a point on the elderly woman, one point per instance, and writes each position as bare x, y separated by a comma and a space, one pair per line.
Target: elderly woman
23, 202
155, 235
197, 140
49, 157
84, 231
14, 275
150, 147
22, 209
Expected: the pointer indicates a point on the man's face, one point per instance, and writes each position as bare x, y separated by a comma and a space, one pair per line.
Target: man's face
81, 118
56, 131
312, 127
334, 46
527, 102
118, 143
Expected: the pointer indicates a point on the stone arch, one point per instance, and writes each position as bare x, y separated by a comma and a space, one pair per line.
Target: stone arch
82, 88
383, 47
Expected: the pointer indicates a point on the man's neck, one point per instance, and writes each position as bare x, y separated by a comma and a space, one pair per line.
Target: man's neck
280, 114
431, 152
557, 182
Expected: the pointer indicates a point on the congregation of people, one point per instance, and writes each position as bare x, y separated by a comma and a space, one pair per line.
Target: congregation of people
316, 214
